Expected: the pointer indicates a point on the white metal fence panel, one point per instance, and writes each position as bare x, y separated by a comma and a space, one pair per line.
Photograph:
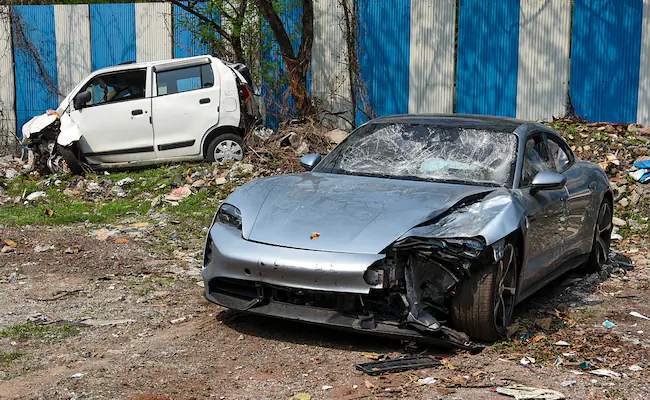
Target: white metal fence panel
643, 106
7, 99
543, 73
154, 31
431, 75
330, 76
72, 23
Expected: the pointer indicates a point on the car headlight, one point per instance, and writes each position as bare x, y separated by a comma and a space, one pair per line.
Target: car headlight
229, 215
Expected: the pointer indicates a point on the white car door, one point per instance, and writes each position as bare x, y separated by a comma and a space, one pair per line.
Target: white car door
115, 124
185, 106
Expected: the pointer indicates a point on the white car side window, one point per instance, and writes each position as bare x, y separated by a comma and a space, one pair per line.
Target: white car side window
184, 79
120, 86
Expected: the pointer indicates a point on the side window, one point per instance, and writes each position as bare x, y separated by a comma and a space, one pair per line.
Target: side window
119, 86
535, 160
559, 153
184, 79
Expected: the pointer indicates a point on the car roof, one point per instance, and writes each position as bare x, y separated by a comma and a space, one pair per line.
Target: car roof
500, 124
127, 67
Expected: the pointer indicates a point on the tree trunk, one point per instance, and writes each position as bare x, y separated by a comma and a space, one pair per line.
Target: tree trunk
297, 72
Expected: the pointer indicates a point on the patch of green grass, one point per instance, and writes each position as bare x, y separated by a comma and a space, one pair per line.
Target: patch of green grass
152, 283
6, 358
43, 332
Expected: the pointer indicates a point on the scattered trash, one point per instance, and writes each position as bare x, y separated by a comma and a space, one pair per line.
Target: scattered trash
584, 365
179, 193
567, 383
635, 368
638, 315
40, 248
609, 325
48, 212
220, 181
11, 173
520, 392
427, 381
35, 195
10, 243
398, 364
156, 201
327, 387
300, 396
125, 182
122, 240
177, 320
374, 356
562, 343
527, 360
605, 372
105, 322
103, 234
641, 175
558, 361
78, 375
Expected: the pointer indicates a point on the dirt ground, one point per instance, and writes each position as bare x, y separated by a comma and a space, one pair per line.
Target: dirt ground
179, 346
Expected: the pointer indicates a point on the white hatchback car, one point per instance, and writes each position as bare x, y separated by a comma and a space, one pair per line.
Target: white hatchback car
138, 114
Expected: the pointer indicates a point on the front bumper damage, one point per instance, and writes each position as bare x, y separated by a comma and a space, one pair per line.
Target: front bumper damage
380, 294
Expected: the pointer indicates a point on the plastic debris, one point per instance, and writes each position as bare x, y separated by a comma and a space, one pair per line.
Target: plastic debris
374, 356
583, 365
327, 387
641, 175
558, 361
179, 193
427, 381
639, 315
562, 343
567, 383
605, 372
40, 248
78, 375
527, 360
398, 364
103, 234
635, 368
609, 325
520, 392
300, 396
35, 195
125, 182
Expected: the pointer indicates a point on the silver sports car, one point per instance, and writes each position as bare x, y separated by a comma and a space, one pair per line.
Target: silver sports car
426, 228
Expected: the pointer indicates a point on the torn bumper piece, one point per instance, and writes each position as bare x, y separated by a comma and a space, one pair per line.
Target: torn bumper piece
317, 287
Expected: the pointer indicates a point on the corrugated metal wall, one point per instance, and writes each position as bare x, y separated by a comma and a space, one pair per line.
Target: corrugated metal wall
606, 58
384, 41
153, 27
72, 24
543, 77
112, 32
186, 44
330, 76
35, 61
643, 105
431, 78
488, 47
7, 99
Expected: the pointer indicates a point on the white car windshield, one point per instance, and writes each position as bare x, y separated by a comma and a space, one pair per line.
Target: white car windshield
426, 152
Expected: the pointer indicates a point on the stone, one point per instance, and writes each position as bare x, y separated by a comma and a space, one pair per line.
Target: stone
125, 182
247, 167
117, 191
624, 202
93, 187
35, 195
302, 149
634, 197
220, 181
11, 173
198, 184
618, 221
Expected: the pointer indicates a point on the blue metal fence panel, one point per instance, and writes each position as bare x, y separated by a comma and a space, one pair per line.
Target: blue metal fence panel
488, 46
384, 40
112, 34
186, 29
35, 58
605, 59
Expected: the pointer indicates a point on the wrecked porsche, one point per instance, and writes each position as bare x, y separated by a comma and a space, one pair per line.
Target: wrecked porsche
150, 113
426, 228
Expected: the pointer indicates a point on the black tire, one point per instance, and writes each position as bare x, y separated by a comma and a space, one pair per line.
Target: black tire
72, 161
484, 302
602, 239
231, 153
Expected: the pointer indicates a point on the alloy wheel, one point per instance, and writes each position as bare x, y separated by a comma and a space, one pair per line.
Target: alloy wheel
603, 234
228, 150
504, 297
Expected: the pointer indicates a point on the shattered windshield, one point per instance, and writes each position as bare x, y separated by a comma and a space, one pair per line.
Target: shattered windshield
426, 152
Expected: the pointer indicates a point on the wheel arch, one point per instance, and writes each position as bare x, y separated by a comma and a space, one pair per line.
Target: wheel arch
216, 131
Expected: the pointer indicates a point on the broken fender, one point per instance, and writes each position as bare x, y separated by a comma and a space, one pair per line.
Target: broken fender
70, 132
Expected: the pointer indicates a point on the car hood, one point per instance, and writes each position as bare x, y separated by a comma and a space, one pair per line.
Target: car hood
342, 213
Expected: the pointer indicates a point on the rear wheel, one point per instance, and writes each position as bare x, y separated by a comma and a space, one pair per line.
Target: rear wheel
485, 301
225, 147
602, 239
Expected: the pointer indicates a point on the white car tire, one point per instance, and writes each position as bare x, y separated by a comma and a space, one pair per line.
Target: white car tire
225, 147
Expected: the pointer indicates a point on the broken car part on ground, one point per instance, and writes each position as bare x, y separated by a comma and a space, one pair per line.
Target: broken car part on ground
419, 227
150, 113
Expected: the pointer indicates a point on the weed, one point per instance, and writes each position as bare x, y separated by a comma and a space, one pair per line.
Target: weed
43, 332
6, 358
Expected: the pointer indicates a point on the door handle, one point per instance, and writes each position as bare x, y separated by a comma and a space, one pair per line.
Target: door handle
204, 101
136, 112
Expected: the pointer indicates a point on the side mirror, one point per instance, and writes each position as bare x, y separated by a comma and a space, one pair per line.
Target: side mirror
309, 161
81, 99
547, 181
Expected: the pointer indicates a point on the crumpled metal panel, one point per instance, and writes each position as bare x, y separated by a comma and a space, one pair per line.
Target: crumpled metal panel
112, 32
153, 29
543, 77
385, 41
643, 107
7, 99
72, 45
431, 73
605, 59
488, 47
330, 76
35, 62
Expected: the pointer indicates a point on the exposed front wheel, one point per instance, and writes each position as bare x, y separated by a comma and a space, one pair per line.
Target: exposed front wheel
225, 147
602, 239
485, 301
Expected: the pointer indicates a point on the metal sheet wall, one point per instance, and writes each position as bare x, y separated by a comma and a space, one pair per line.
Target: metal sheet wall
643, 106
605, 59
153, 27
384, 40
7, 99
112, 32
543, 77
35, 61
185, 44
72, 24
488, 46
431, 78
330, 76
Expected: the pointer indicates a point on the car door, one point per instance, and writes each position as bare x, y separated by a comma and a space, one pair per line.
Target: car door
185, 106
546, 217
579, 195
115, 123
